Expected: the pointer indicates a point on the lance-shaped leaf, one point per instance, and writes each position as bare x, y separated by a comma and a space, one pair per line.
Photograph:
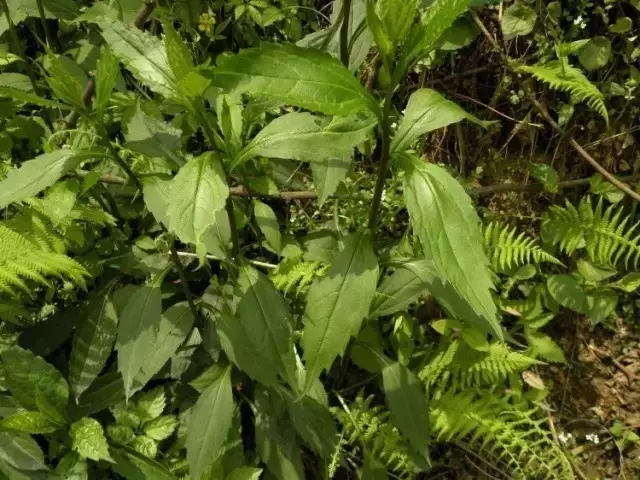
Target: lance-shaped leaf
142, 53
308, 138
427, 110
137, 331
445, 221
92, 342
199, 190
35, 175
408, 405
337, 303
152, 137
157, 195
268, 224
107, 72
209, 425
21, 451
328, 175
304, 77
315, 425
266, 320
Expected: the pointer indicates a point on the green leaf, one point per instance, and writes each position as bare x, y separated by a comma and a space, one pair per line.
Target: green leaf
136, 332
546, 175
244, 473
26, 373
35, 175
152, 137
396, 17
337, 303
545, 347
21, 451
22, 96
595, 54
161, 428
629, 283
209, 425
380, 36
63, 82
266, 321
567, 292
314, 424
71, 467
593, 273
402, 288
177, 52
106, 391
434, 22
145, 446
142, 53
87, 438
461, 34
600, 186
328, 175
426, 111
172, 330
276, 438
134, 466
602, 304
408, 405
445, 221
304, 77
93, 342
199, 190
622, 25
373, 469
307, 138
151, 404
157, 192
518, 20
268, 224
29, 422
107, 71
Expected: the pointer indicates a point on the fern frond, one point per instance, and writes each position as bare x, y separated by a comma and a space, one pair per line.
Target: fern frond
510, 433
569, 79
370, 426
24, 258
461, 366
507, 249
296, 273
607, 234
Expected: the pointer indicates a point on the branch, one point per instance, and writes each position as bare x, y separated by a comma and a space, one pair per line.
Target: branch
547, 116
90, 89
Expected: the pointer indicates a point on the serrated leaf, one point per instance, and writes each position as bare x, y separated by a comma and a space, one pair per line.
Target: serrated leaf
161, 427
152, 137
63, 82
426, 111
22, 96
266, 321
402, 288
71, 467
172, 330
145, 446
567, 292
545, 347
177, 53
276, 438
546, 175
87, 438
445, 221
21, 451
268, 224
29, 422
92, 342
314, 424
199, 190
107, 71
136, 331
142, 53
307, 138
151, 404
35, 175
337, 303
518, 20
408, 405
304, 77
209, 425
328, 175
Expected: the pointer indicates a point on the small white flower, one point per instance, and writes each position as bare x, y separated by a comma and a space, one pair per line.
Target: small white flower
580, 21
593, 437
384, 195
564, 437
394, 125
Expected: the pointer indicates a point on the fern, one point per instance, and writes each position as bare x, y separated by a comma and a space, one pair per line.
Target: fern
511, 434
607, 234
26, 257
295, 273
370, 426
461, 366
507, 249
569, 79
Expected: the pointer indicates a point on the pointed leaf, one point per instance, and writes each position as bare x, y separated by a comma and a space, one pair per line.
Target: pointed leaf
152, 137
209, 425
426, 111
92, 342
199, 190
268, 224
308, 138
396, 17
567, 292
328, 175
448, 227
337, 303
107, 70
88, 439
29, 422
21, 451
157, 193
36, 175
304, 77
315, 425
137, 331
134, 466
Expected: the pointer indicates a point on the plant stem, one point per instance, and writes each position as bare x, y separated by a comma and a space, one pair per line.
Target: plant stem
52, 41
385, 153
344, 32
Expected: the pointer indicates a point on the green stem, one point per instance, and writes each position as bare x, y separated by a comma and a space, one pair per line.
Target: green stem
51, 41
385, 154
344, 32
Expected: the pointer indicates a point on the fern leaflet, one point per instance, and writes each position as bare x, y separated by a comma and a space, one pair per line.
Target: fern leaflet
293, 272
